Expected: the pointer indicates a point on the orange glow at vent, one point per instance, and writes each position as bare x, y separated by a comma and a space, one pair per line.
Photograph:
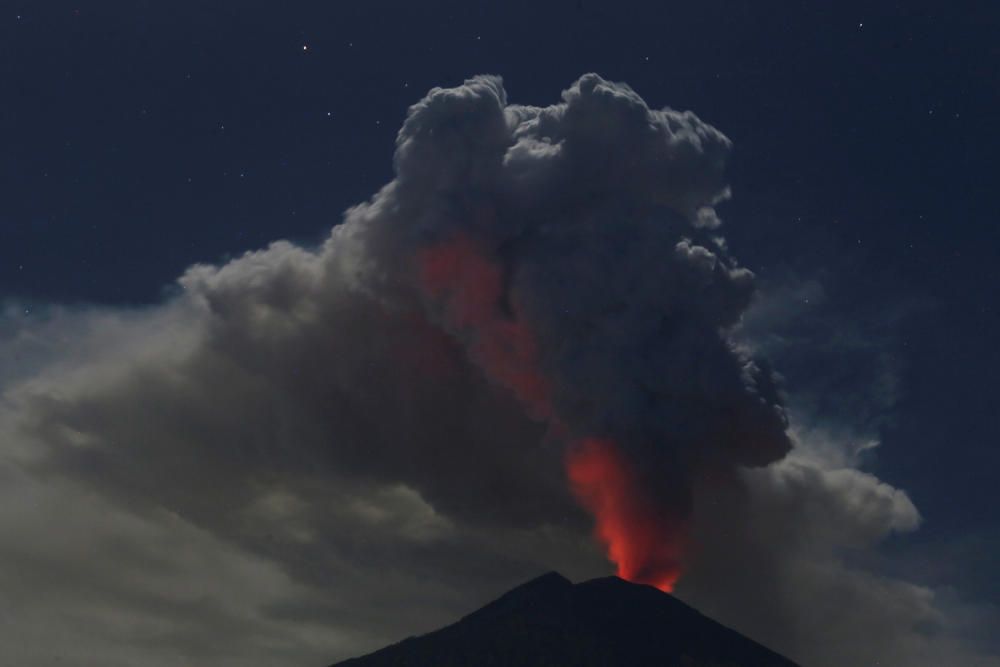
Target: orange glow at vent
641, 540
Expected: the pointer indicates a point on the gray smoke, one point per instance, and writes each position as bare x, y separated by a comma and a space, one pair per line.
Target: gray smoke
569, 249
371, 433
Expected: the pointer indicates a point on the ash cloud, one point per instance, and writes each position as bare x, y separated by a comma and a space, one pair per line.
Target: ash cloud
565, 247
376, 427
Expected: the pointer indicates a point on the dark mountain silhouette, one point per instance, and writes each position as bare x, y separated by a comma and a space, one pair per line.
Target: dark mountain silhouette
604, 622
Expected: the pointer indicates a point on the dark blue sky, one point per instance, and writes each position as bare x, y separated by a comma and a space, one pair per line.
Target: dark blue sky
141, 137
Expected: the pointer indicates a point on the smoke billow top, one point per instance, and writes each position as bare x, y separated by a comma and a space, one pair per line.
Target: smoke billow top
570, 249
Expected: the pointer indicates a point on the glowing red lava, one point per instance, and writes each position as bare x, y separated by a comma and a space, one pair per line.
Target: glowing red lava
641, 539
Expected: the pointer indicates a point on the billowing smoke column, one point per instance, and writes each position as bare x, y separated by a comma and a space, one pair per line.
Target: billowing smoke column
573, 251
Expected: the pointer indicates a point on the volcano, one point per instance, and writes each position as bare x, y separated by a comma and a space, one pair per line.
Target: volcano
605, 622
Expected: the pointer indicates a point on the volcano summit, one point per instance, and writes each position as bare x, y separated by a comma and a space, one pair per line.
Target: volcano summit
605, 622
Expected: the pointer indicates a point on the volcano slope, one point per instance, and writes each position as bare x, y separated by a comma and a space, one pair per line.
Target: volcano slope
605, 622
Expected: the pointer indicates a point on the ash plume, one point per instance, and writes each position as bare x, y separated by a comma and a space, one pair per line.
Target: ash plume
523, 341
569, 249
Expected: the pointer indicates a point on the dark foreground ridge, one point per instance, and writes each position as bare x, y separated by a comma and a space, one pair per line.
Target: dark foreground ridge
604, 622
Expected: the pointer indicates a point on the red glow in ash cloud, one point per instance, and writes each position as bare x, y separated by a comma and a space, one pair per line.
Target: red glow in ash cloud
645, 544
641, 538
471, 288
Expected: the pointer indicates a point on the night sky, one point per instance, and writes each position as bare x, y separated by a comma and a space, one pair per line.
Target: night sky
141, 138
